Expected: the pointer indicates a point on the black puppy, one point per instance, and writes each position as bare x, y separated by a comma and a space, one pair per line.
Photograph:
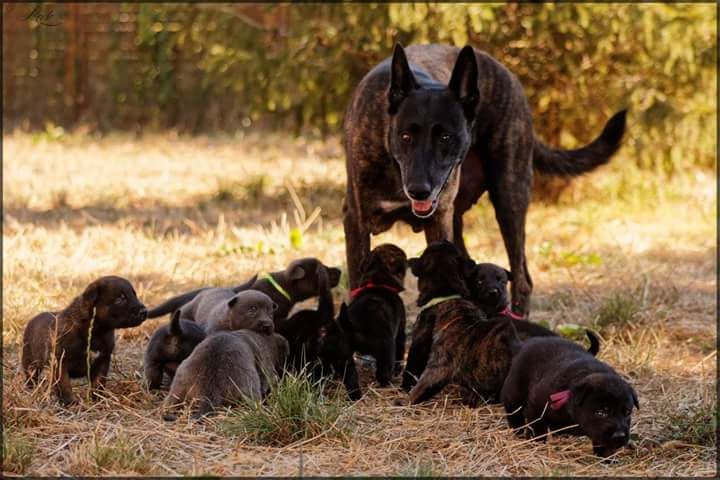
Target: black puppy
487, 283
318, 341
555, 383
168, 347
61, 338
377, 313
453, 341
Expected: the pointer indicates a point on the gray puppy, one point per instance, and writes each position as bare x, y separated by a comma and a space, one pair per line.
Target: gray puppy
225, 368
218, 309
169, 345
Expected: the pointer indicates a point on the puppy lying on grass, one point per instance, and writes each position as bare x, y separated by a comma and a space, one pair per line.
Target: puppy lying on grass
168, 347
554, 383
453, 341
317, 340
66, 340
298, 282
377, 313
227, 368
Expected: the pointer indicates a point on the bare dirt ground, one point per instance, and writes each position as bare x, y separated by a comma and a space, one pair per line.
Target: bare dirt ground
628, 253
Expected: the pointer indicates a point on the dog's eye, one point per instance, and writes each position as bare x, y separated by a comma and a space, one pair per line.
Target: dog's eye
445, 138
602, 413
406, 137
627, 412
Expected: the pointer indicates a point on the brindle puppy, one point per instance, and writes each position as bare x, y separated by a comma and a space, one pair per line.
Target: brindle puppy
227, 367
298, 282
377, 313
554, 383
168, 347
454, 342
319, 342
106, 304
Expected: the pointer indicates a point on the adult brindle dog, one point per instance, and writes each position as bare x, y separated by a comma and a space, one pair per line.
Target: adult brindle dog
411, 123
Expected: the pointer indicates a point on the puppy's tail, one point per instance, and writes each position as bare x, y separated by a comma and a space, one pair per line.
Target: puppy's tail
559, 162
594, 343
173, 304
245, 286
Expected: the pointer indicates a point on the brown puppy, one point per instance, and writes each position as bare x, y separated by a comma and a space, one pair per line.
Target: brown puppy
554, 383
106, 304
453, 341
377, 314
168, 347
228, 367
298, 282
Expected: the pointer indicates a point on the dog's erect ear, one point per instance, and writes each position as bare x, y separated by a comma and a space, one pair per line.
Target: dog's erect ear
92, 292
402, 81
509, 275
635, 398
175, 323
464, 81
297, 273
415, 265
232, 301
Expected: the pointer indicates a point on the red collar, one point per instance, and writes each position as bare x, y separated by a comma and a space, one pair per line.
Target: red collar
508, 312
558, 399
357, 291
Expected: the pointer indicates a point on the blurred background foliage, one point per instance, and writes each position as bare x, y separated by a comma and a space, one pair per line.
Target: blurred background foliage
212, 67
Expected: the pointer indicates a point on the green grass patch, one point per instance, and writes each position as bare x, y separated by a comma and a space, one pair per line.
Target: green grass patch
17, 453
296, 409
694, 424
618, 310
119, 455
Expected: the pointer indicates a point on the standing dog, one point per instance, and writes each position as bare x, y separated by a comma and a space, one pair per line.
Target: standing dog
106, 304
298, 282
377, 313
427, 132
555, 383
168, 347
453, 341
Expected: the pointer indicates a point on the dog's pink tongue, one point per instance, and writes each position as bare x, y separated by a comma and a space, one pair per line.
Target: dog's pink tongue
421, 206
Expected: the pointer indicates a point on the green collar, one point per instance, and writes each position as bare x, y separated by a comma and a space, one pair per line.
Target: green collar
277, 286
437, 300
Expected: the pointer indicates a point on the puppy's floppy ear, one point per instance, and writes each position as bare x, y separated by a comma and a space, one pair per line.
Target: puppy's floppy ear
509, 275
581, 391
297, 273
464, 81
402, 80
92, 292
175, 323
415, 265
635, 398
232, 301
468, 267
334, 275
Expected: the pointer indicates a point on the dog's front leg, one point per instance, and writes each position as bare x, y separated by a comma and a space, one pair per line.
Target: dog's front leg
62, 385
99, 371
441, 226
357, 241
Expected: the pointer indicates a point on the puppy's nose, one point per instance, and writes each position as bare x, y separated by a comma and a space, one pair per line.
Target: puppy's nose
419, 191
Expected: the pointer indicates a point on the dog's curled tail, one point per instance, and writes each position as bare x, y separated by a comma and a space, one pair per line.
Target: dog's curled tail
594, 343
173, 304
555, 161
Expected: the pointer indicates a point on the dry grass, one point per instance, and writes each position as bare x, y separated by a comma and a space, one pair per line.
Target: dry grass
630, 254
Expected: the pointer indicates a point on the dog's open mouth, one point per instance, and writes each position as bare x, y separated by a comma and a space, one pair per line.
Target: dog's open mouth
423, 208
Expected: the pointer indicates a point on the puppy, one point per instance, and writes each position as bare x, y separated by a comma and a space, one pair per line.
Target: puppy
219, 309
453, 341
168, 347
298, 282
554, 383
377, 313
106, 304
487, 284
225, 368
318, 341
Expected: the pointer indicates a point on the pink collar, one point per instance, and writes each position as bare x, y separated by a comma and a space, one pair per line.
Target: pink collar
558, 399
508, 312
357, 291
